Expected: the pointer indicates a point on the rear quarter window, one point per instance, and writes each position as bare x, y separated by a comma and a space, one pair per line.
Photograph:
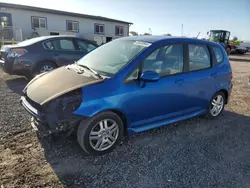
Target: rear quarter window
218, 54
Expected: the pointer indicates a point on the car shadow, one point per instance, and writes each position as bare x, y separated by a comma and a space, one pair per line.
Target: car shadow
240, 57
193, 153
17, 84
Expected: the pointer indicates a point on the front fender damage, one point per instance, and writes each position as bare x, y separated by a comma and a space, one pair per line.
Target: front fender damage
57, 115
55, 96
59, 112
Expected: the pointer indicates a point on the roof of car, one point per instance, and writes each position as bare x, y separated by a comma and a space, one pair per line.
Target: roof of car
157, 38
58, 36
42, 38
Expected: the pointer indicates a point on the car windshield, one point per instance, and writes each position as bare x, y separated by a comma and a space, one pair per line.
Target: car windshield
108, 59
215, 36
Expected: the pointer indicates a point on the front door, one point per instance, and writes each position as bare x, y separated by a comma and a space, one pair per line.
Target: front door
162, 100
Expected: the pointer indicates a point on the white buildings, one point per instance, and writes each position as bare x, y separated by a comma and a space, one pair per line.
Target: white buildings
22, 22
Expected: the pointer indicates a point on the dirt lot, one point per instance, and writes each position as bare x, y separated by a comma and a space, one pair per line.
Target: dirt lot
193, 153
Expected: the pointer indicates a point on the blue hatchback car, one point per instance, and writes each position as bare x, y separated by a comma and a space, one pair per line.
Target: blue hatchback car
130, 85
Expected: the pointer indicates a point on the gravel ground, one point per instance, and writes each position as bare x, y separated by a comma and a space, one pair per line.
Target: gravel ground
193, 153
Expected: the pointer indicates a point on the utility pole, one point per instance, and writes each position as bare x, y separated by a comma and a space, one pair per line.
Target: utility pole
150, 31
182, 30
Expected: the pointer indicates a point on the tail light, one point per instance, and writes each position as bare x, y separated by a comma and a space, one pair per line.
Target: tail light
17, 52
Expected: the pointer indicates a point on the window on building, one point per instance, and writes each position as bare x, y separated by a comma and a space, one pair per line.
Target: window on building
39, 22
199, 57
99, 28
72, 26
119, 30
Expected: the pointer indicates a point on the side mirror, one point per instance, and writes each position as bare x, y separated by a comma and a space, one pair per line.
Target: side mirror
150, 76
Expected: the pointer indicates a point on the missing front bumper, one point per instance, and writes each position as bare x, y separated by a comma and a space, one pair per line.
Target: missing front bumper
31, 110
49, 122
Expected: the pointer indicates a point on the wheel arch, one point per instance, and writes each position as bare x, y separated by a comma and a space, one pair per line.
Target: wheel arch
225, 92
121, 115
42, 61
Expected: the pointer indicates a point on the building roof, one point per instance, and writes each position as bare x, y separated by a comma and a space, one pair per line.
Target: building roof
24, 7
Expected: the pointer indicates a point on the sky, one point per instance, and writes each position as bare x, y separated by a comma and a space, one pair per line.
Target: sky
163, 16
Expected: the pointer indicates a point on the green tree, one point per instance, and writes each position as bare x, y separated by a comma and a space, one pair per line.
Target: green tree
133, 33
235, 41
235, 38
168, 34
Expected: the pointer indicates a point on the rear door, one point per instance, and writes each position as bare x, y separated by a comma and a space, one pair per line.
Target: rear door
199, 77
63, 50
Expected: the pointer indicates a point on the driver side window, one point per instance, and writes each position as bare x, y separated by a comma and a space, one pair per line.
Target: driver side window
85, 46
169, 60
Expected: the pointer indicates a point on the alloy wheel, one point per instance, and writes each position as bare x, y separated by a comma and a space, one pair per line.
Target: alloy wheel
217, 105
103, 135
46, 68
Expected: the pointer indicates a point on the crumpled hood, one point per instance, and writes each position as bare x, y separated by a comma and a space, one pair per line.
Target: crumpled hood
56, 83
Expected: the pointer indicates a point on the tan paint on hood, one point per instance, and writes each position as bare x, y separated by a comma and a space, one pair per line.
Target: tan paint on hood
57, 83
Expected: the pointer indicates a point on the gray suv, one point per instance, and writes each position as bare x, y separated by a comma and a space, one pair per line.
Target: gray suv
37, 55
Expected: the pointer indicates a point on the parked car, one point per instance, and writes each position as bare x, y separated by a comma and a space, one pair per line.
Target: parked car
35, 56
238, 50
130, 85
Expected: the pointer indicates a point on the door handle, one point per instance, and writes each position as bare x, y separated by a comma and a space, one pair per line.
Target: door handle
179, 81
214, 74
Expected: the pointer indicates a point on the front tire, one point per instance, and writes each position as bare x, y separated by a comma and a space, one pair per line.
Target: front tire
216, 105
101, 133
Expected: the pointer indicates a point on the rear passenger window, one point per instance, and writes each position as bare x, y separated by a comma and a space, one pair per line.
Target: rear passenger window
218, 54
199, 57
61, 44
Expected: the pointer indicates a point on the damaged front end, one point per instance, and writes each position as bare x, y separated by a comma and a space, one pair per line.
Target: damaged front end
51, 98
56, 115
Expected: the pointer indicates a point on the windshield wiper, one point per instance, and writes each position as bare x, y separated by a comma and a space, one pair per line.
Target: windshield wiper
86, 67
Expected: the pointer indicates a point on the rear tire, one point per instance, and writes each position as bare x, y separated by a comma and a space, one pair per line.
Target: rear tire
228, 50
101, 133
216, 105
